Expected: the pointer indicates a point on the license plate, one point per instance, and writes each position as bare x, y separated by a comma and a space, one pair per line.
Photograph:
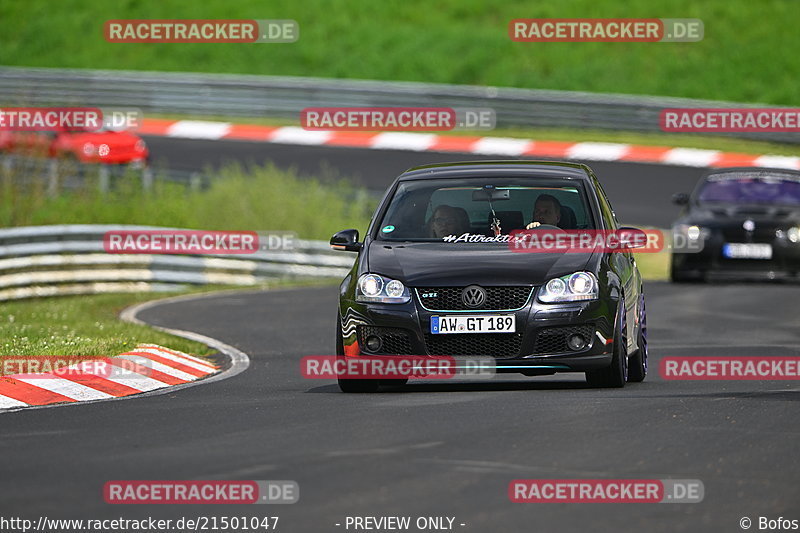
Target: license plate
747, 251
473, 324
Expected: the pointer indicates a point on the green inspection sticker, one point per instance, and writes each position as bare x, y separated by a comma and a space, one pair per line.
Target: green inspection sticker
388, 229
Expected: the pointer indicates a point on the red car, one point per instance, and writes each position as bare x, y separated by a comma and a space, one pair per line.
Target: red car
100, 146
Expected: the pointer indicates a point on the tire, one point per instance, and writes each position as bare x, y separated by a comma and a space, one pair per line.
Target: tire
637, 364
676, 275
616, 374
351, 385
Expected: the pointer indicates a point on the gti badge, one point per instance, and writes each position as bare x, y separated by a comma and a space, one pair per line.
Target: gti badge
749, 225
430, 294
473, 296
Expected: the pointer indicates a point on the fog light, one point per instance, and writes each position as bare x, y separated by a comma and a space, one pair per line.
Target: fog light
576, 342
373, 343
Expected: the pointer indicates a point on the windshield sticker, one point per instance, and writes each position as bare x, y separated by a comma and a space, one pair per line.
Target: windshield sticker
475, 237
388, 229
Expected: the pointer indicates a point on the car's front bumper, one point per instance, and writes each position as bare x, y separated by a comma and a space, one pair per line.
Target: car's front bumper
785, 260
537, 346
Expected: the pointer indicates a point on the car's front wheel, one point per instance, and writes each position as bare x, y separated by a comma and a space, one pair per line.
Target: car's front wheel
678, 275
351, 385
616, 374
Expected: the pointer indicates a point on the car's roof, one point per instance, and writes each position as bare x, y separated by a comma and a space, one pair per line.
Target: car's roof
462, 169
751, 170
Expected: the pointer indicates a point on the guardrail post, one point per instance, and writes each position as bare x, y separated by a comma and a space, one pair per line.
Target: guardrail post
147, 178
195, 181
52, 178
104, 179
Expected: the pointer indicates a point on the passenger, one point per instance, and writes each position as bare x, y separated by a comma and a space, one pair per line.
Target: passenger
448, 220
546, 210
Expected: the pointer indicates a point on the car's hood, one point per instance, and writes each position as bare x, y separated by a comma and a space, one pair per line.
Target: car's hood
442, 264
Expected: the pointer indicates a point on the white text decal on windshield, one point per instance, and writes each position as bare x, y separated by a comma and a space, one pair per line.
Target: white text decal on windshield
475, 237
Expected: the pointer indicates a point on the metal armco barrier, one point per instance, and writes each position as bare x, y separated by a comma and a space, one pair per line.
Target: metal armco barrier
70, 259
279, 96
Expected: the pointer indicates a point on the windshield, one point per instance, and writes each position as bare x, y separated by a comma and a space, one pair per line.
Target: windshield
776, 189
437, 210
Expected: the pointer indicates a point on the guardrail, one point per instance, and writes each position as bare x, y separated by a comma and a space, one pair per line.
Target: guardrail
59, 175
280, 96
70, 259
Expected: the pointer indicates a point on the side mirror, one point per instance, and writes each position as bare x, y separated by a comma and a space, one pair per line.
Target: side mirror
680, 198
632, 237
346, 240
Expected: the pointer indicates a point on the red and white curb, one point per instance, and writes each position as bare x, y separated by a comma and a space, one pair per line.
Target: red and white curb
428, 142
147, 368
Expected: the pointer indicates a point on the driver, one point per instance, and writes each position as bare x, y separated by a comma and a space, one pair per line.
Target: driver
448, 220
546, 210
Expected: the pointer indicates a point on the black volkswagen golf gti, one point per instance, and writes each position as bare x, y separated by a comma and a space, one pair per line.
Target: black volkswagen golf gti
435, 277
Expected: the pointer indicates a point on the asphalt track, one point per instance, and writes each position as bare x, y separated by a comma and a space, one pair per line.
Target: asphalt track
433, 449
447, 449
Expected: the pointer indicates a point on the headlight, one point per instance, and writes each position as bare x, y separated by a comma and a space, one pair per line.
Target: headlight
571, 288
793, 234
691, 232
139, 146
375, 288
89, 149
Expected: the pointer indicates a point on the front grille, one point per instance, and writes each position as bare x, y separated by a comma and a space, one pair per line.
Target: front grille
554, 340
395, 341
762, 233
449, 298
491, 344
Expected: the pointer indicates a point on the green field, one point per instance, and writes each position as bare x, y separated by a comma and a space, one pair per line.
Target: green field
748, 54
260, 199
81, 326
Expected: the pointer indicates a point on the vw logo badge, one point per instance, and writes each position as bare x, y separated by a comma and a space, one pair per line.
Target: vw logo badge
749, 225
473, 296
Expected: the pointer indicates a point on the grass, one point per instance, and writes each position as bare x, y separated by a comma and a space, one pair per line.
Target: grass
747, 54
655, 266
79, 325
263, 198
